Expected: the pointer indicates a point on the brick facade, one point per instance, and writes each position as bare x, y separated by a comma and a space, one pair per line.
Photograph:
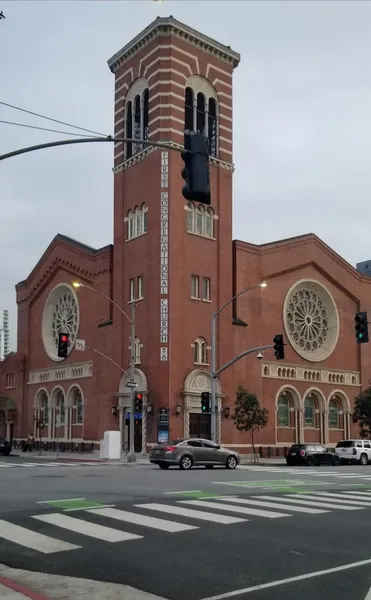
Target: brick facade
183, 265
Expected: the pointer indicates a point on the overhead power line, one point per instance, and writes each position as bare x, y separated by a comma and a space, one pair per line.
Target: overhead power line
47, 129
50, 119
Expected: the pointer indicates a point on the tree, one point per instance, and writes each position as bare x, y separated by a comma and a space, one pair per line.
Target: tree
362, 412
248, 414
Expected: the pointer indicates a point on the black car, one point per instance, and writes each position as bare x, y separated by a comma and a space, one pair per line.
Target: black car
5, 447
310, 455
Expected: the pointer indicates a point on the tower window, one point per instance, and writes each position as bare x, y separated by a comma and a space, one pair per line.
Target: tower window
200, 110
136, 117
137, 221
200, 221
200, 355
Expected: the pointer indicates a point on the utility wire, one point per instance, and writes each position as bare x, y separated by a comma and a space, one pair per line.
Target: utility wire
46, 129
50, 119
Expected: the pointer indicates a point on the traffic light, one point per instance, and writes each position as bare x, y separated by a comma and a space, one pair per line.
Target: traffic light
361, 327
63, 343
205, 402
138, 402
196, 171
279, 351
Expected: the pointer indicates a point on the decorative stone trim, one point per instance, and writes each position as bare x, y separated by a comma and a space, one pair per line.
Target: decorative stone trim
147, 151
74, 371
169, 26
296, 373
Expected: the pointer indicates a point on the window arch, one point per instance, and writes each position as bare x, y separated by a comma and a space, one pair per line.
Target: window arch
201, 110
200, 221
309, 412
200, 355
333, 414
283, 410
136, 116
61, 409
45, 409
137, 221
79, 409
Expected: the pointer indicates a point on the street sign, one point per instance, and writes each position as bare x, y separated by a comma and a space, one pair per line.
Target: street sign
132, 384
80, 345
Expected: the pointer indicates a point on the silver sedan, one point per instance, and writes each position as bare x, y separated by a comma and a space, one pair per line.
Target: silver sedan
193, 452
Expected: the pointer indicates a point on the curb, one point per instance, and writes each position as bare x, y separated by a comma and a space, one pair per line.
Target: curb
21, 589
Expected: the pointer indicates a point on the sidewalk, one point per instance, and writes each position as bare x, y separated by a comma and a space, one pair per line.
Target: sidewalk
16, 584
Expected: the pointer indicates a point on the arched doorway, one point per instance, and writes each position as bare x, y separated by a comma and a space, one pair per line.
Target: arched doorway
75, 412
41, 414
339, 418
140, 423
314, 417
57, 412
7, 416
197, 424
288, 421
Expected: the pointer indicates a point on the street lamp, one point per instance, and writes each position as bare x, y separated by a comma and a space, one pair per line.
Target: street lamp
77, 284
263, 284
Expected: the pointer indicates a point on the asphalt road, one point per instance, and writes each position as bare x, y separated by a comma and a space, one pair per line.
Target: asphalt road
310, 520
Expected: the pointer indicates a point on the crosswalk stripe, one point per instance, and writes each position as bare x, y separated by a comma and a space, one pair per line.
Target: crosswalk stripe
144, 520
268, 514
302, 509
364, 494
342, 499
193, 514
294, 499
86, 528
31, 539
3, 466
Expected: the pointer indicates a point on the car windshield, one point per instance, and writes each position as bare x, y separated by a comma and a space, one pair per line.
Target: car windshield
345, 444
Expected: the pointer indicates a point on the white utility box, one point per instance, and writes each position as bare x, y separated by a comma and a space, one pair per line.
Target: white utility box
112, 445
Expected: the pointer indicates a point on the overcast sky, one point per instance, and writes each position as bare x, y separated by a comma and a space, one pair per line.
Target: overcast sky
302, 126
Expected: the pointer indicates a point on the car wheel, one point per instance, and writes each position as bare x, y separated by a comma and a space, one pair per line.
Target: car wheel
231, 462
310, 461
185, 463
209, 466
163, 465
363, 460
335, 461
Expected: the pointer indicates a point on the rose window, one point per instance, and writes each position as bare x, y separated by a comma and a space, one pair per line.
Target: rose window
61, 315
311, 320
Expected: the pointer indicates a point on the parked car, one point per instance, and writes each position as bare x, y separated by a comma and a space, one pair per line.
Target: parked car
5, 447
354, 451
193, 452
311, 455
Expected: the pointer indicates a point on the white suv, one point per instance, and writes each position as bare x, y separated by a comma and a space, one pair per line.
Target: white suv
358, 451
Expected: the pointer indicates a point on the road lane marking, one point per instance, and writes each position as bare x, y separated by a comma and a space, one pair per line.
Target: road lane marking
86, 528
293, 499
368, 596
75, 504
193, 514
268, 514
136, 519
279, 582
340, 499
364, 494
32, 539
186, 492
262, 503
59, 500
91, 506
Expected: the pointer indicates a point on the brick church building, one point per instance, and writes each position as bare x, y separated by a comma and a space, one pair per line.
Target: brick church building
178, 262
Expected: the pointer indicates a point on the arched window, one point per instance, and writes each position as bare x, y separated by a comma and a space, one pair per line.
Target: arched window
45, 409
79, 409
200, 110
136, 116
138, 221
61, 413
138, 346
200, 356
333, 414
199, 220
129, 129
209, 221
283, 412
188, 109
309, 412
144, 209
130, 224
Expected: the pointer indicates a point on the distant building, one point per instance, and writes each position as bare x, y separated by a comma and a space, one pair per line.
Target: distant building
364, 267
177, 260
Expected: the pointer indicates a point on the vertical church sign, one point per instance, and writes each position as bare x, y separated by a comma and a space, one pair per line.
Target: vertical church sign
164, 257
